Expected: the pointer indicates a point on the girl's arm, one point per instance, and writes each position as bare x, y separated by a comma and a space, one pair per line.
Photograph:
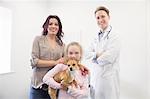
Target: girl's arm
48, 78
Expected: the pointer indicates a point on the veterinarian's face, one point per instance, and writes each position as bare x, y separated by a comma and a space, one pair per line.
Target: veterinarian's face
74, 52
102, 19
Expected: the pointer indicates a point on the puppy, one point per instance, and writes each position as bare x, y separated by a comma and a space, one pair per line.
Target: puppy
65, 77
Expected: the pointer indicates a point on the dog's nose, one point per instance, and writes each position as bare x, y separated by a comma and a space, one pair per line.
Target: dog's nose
71, 69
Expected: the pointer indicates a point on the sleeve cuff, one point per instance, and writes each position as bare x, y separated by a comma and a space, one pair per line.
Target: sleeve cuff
34, 62
102, 62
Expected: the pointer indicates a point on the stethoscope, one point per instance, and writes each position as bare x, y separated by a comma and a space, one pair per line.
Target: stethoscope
100, 33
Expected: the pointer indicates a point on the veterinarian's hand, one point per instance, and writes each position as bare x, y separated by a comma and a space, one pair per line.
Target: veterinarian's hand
98, 54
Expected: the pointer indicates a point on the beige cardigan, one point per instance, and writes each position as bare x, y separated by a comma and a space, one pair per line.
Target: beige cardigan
42, 50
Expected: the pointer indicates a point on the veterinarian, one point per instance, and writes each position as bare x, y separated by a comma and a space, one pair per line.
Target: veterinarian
47, 51
103, 54
74, 51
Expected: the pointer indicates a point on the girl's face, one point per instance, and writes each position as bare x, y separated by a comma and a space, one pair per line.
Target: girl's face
53, 26
102, 19
74, 52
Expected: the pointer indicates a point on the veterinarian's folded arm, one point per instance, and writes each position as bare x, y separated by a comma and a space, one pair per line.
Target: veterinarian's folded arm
90, 55
48, 78
110, 54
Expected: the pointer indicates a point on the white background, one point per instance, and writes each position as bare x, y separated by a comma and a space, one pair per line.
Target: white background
129, 18
5, 39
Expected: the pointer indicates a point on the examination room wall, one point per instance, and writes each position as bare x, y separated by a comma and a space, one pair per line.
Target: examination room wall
130, 19
148, 45
27, 20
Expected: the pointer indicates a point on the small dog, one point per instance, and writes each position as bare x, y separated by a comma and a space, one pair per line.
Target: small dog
65, 77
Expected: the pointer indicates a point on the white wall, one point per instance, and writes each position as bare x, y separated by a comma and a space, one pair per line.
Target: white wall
148, 45
28, 18
127, 17
5, 43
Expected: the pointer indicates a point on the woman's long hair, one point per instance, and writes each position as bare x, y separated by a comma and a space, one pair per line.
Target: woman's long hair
60, 33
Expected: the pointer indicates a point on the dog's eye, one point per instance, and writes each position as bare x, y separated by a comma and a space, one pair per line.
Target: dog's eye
73, 64
68, 65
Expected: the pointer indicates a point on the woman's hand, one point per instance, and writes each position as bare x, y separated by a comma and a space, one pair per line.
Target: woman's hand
61, 60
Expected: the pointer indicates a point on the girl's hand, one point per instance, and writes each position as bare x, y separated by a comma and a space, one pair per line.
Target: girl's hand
84, 70
64, 86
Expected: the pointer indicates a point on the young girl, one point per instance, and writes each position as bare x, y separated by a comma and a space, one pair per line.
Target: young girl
73, 50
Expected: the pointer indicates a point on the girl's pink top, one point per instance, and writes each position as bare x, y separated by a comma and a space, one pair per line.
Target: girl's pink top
73, 93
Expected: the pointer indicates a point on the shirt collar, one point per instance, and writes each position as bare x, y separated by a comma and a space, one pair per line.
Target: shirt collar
105, 32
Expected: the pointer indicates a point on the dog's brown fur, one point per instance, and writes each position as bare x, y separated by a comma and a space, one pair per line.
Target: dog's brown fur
65, 77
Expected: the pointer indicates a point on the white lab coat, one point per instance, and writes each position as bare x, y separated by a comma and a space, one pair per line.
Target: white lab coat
105, 69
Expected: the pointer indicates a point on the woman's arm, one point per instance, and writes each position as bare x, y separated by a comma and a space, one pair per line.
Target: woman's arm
36, 61
47, 63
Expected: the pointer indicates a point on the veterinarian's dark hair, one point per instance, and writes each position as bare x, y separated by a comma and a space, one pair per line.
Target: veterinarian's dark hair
60, 33
71, 44
102, 8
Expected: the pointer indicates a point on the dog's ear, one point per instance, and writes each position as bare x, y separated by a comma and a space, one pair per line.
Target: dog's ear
80, 65
66, 60
75, 60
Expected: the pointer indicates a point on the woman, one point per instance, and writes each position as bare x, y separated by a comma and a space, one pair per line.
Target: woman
47, 51
104, 54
